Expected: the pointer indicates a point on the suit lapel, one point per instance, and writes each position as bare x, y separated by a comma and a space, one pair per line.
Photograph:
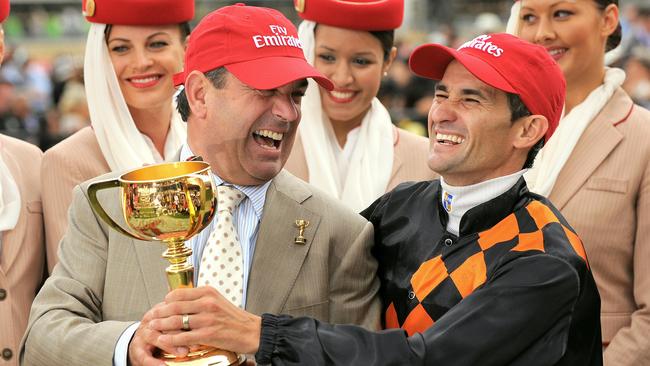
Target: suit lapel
595, 144
12, 240
278, 259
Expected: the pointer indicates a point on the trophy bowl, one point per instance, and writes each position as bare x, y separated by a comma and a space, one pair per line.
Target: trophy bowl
169, 203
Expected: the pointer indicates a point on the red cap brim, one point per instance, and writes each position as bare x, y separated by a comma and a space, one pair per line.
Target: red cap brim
431, 61
4, 10
273, 72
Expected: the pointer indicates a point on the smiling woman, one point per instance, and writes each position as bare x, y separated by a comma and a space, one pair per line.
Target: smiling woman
596, 168
133, 49
347, 144
144, 59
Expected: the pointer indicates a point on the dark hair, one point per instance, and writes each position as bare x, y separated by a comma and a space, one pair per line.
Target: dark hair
385, 37
387, 40
184, 27
518, 110
614, 39
218, 79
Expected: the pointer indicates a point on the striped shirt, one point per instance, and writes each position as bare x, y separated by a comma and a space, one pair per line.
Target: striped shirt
246, 218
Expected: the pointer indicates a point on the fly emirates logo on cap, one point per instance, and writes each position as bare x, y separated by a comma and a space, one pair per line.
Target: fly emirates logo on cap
279, 38
481, 43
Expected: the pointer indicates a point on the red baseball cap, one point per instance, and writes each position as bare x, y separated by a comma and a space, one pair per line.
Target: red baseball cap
368, 15
4, 10
138, 12
260, 46
504, 62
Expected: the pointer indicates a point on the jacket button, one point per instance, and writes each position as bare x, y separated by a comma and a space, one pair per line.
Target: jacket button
411, 295
3, 294
6, 354
448, 242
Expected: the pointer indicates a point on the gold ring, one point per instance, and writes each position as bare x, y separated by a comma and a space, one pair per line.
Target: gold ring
186, 322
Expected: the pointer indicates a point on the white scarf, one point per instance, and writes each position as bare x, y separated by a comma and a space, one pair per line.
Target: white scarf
513, 20
551, 159
122, 145
371, 162
9, 199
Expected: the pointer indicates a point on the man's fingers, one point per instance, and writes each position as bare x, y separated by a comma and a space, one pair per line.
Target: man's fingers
150, 336
149, 360
185, 301
175, 323
196, 347
183, 339
171, 323
150, 314
188, 294
141, 353
177, 308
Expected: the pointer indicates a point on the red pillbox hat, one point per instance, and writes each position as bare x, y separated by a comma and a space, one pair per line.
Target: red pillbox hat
138, 12
368, 15
4, 10
260, 46
504, 62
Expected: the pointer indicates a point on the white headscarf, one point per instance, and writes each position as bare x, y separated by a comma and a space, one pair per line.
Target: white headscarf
122, 145
371, 161
9, 199
551, 159
513, 21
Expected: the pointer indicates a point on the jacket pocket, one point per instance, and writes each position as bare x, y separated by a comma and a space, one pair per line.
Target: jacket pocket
607, 184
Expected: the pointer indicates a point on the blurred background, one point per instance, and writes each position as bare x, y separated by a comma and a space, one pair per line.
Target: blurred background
42, 98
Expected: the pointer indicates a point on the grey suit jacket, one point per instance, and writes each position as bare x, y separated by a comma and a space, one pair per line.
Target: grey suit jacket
105, 281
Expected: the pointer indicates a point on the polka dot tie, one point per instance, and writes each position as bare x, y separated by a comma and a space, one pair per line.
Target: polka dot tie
222, 262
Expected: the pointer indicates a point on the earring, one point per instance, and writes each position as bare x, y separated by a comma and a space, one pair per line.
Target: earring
385, 73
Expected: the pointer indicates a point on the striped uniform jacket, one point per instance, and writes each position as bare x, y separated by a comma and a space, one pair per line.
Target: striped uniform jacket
514, 288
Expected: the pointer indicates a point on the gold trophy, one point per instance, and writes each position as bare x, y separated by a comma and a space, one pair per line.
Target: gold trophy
169, 202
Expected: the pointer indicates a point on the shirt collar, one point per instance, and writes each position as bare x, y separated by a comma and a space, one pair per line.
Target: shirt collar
488, 214
256, 194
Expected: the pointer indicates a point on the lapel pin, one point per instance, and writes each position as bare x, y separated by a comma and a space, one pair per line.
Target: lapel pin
301, 225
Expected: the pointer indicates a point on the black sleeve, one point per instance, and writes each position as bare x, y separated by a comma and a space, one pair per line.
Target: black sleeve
520, 316
373, 212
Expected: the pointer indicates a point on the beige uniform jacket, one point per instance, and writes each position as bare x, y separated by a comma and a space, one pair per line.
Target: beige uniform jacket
409, 160
105, 281
70, 162
22, 259
604, 193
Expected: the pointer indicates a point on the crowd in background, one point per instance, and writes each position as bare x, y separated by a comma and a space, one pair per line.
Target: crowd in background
42, 100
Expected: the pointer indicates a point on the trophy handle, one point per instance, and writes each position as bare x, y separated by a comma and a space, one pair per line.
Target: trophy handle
198, 180
95, 187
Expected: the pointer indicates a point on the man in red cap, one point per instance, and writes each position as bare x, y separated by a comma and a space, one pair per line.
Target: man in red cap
22, 246
475, 269
275, 245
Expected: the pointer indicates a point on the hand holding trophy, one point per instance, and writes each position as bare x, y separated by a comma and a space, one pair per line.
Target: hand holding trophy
169, 203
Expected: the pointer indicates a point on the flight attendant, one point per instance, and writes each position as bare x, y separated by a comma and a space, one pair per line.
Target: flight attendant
133, 49
596, 168
347, 144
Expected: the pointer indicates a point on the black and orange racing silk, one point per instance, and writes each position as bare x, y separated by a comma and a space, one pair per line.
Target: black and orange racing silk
514, 288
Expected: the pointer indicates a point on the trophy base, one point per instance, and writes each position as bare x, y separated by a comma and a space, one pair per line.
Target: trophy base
212, 357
